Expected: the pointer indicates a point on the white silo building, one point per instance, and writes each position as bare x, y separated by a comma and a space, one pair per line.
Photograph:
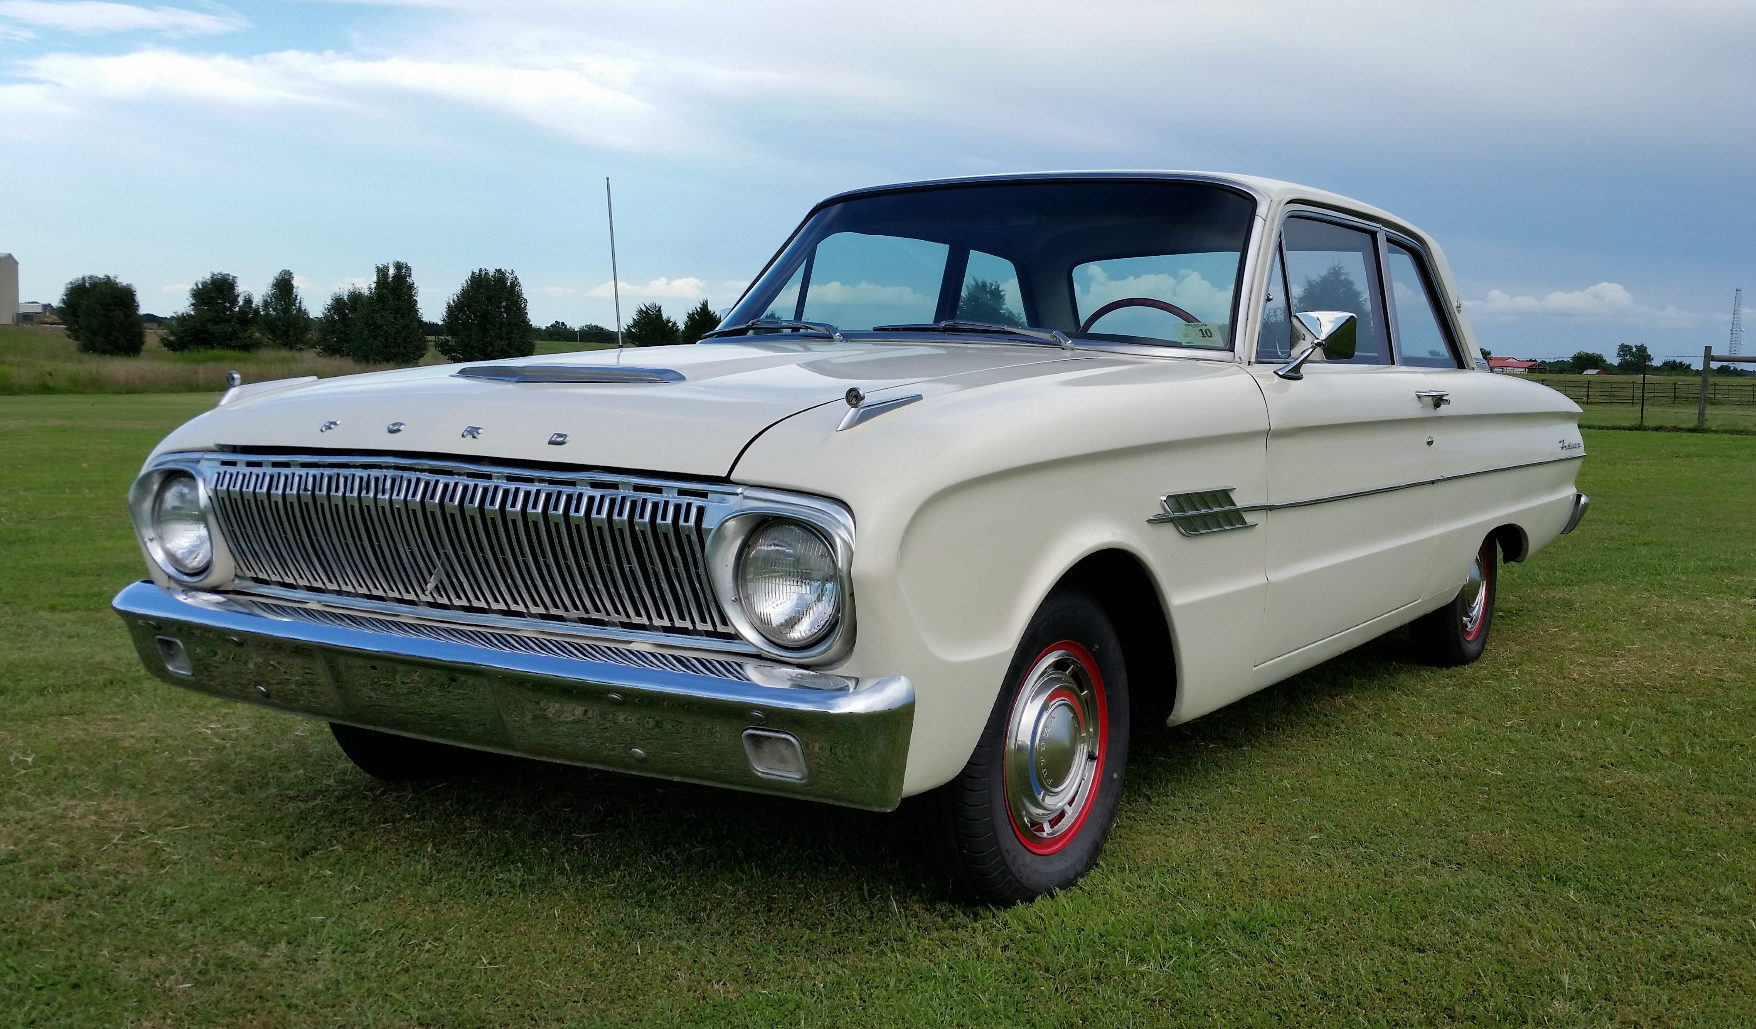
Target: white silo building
8, 290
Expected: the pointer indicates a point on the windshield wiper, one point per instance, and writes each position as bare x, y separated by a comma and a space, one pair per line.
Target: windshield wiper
758, 324
1054, 336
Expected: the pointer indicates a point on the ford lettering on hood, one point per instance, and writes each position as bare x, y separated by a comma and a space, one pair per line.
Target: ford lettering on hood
679, 410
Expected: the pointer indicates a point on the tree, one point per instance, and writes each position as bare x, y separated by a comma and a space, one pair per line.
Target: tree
219, 317
1632, 358
393, 330
557, 332
341, 332
102, 315
487, 319
985, 301
592, 332
650, 328
698, 322
1673, 366
1335, 290
1486, 353
282, 316
346, 322
1586, 360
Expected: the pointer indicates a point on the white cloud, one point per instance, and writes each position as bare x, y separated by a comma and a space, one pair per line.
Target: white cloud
91, 17
661, 288
175, 287
1186, 289
1604, 300
865, 293
579, 98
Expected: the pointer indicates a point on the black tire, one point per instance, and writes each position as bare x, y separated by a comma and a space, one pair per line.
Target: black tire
979, 845
393, 758
1457, 633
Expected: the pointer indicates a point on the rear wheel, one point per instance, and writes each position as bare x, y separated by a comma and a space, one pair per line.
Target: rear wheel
393, 758
1031, 809
1457, 633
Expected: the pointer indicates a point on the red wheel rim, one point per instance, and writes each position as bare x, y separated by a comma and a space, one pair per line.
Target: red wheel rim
1057, 738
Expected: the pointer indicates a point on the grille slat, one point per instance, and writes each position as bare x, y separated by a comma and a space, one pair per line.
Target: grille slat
513, 544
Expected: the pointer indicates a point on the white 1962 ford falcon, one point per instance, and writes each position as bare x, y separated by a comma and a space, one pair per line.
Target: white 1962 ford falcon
976, 472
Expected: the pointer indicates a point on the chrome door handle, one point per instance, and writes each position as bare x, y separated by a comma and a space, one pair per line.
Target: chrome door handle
1438, 396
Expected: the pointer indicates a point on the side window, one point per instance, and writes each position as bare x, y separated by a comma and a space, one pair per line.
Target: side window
1332, 267
1421, 338
1274, 339
990, 291
855, 281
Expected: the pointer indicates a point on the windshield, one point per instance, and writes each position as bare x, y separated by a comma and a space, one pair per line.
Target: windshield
1132, 262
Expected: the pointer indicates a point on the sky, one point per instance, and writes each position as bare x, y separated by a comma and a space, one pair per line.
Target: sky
1586, 165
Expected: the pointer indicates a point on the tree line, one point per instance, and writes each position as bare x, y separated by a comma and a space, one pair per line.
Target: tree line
378, 323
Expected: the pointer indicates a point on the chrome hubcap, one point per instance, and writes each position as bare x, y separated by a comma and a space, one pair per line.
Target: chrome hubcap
1054, 748
1474, 598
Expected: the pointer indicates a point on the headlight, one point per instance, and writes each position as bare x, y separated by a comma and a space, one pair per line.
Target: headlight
788, 583
179, 527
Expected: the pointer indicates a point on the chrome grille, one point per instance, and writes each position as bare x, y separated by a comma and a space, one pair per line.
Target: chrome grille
518, 643
591, 549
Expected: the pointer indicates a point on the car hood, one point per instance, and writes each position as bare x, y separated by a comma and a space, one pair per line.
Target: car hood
711, 401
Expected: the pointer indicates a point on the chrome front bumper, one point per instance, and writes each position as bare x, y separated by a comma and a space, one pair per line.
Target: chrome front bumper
652, 713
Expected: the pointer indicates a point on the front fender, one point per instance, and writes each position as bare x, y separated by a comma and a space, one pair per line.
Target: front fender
971, 504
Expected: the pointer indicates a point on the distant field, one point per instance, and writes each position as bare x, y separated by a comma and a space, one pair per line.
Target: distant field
1559, 835
37, 360
1612, 401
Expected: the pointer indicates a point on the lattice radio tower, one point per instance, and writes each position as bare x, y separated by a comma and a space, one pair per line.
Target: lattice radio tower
1736, 347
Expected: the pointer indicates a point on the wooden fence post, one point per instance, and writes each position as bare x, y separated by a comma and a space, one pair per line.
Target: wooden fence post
1701, 407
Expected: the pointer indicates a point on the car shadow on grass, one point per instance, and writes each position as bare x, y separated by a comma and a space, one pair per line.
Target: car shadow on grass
665, 844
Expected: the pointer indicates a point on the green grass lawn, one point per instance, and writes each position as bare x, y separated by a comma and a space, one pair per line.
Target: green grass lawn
1562, 834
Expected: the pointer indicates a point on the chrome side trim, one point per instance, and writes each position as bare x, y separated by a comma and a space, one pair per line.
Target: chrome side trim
1202, 512
1374, 491
568, 373
1581, 503
867, 411
1205, 511
675, 718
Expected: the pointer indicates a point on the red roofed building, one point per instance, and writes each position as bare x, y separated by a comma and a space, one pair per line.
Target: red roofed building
1510, 365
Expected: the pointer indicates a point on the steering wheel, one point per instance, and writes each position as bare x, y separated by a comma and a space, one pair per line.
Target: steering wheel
1117, 305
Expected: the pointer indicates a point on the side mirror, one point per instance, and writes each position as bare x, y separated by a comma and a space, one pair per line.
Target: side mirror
1336, 333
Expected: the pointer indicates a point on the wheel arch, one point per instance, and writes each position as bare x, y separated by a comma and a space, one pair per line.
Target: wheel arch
1513, 541
1121, 585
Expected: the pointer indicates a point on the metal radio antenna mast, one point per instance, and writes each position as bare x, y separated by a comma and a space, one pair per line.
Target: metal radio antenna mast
1736, 347
615, 277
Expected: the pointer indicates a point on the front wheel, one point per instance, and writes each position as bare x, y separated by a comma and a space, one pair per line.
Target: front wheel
1457, 633
1031, 809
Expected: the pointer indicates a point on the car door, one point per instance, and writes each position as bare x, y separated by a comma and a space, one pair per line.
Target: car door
1487, 439
1347, 525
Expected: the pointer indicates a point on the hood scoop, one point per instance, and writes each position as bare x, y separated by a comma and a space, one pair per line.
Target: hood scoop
568, 373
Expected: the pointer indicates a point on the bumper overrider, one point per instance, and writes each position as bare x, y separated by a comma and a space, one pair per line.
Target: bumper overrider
705, 720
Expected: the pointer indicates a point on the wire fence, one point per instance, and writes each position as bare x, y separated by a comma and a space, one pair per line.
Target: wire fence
1595, 389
